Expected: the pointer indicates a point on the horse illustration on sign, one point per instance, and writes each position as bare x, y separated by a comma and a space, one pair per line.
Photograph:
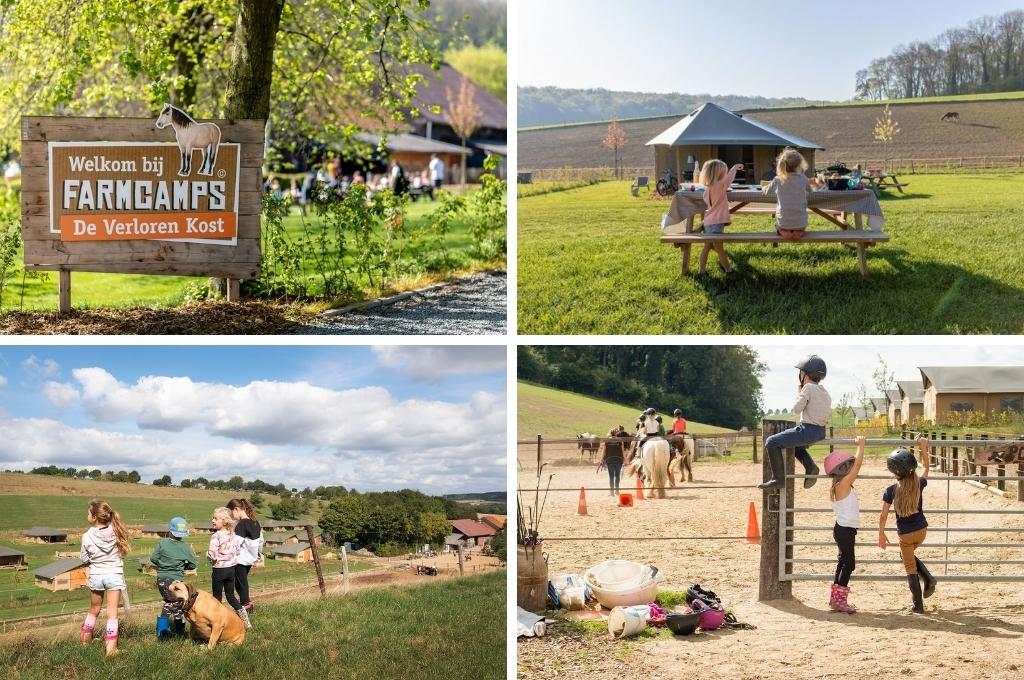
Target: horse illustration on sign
191, 136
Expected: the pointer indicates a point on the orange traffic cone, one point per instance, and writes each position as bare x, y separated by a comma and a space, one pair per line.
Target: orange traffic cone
753, 533
582, 509
625, 500
639, 490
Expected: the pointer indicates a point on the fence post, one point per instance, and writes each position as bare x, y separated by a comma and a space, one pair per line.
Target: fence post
983, 468
461, 568
769, 585
1020, 482
831, 435
955, 458
943, 453
344, 570
1001, 472
968, 457
540, 445
753, 439
316, 559
933, 450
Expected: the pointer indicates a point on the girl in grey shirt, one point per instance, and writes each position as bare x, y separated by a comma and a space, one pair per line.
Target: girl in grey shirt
790, 187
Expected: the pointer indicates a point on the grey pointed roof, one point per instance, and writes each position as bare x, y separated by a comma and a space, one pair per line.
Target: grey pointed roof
55, 569
45, 531
974, 379
291, 548
711, 124
912, 389
879, 403
894, 397
6, 551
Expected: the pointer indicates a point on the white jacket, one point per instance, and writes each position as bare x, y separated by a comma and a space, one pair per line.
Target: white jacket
249, 549
99, 549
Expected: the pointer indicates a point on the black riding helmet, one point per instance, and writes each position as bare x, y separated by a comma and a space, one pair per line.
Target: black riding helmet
650, 412
901, 462
678, 412
813, 366
658, 418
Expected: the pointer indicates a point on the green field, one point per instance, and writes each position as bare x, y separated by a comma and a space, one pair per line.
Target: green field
559, 414
90, 290
448, 629
590, 258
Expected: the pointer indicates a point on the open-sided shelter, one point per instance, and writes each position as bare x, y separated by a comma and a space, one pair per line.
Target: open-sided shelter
711, 131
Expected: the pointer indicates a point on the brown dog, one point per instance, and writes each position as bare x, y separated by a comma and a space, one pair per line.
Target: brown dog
211, 619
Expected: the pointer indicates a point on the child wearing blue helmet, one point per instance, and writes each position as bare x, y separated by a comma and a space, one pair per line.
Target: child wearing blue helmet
172, 557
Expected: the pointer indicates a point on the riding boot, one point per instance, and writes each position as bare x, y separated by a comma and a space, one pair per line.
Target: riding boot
809, 467
929, 580
914, 581
244, 615
179, 627
778, 466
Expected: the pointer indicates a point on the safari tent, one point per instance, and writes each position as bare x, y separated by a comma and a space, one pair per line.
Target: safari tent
67, 574
911, 400
985, 389
283, 525
713, 132
293, 552
46, 535
155, 530
11, 558
272, 539
893, 406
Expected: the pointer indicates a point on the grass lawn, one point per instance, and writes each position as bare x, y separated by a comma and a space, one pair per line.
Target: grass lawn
449, 629
559, 414
90, 290
590, 259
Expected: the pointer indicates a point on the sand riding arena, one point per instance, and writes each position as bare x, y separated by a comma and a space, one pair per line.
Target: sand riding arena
698, 535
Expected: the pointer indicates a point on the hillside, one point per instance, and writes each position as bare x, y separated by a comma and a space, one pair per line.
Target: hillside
557, 413
988, 128
443, 629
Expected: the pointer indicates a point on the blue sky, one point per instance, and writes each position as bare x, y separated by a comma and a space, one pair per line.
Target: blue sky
775, 49
297, 414
851, 366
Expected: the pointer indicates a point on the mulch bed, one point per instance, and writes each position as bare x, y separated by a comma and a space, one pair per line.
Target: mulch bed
196, 318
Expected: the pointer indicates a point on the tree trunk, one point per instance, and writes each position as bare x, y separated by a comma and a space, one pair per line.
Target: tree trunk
463, 163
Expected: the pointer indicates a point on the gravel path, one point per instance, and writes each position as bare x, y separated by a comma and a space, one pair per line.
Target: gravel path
475, 305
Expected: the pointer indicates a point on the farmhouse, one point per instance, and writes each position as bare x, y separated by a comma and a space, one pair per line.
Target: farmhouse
155, 531
879, 407
46, 535
893, 405
985, 389
911, 400
11, 558
496, 522
713, 132
293, 552
67, 574
472, 532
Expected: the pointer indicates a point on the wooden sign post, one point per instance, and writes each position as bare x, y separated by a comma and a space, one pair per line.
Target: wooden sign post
169, 195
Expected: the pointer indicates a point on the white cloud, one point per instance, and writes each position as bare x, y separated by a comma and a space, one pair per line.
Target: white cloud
3, 381
420, 362
60, 395
44, 441
41, 368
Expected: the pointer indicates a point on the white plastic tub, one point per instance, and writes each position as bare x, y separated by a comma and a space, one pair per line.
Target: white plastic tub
621, 583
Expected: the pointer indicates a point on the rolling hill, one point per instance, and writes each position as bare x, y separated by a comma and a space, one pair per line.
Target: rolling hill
557, 413
988, 128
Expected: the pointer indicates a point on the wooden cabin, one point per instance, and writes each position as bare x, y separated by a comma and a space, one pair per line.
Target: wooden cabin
985, 389
911, 400
146, 567
11, 558
67, 574
156, 530
293, 552
711, 131
893, 406
272, 539
46, 535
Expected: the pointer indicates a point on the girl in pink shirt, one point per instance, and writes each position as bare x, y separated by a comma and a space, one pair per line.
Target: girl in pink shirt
716, 178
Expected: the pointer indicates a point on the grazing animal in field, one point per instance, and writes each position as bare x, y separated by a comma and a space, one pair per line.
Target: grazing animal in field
191, 136
652, 466
588, 443
684, 455
951, 117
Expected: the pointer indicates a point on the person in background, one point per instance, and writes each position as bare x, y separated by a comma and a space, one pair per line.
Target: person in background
678, 422
613, 455
436, 167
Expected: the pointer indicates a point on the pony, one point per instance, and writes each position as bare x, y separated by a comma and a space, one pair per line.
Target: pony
190, 136
588, 443
683, 457
951, 117
652, 466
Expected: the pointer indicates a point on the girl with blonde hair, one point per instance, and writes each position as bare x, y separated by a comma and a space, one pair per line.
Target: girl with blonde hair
716, 177
104, 546
906, 498
223, 556
791, 187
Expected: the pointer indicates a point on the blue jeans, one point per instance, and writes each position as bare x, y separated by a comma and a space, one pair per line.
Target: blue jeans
799, 438
614, 475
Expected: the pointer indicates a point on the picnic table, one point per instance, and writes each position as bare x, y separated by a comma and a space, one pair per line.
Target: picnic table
883, 180
834, 206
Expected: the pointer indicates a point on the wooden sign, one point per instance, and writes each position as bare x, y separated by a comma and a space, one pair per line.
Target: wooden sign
169, 195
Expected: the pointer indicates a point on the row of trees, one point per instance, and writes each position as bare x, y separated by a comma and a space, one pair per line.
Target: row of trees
132, 477
720, 385
986, 55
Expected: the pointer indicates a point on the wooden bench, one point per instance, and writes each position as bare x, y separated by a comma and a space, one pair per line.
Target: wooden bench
640, 183
861, 238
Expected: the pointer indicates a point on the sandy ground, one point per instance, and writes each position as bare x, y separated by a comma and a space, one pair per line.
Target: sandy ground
964, 633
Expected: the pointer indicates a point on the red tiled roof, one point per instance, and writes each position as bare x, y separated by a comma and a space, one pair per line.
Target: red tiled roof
471, 528
496, 521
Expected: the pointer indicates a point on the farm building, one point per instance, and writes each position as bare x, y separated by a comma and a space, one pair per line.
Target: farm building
911, 400
283, 525
11, 558
893, 405
880, 407
985, 389
272, 539
496, 522
413, 152
713, 132
201, 527
472, 532
155, 531
46, 535
293, 552
861, 414
67, 574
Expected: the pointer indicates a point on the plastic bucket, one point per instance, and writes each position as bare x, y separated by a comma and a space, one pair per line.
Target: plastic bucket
531, 579
624, 622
